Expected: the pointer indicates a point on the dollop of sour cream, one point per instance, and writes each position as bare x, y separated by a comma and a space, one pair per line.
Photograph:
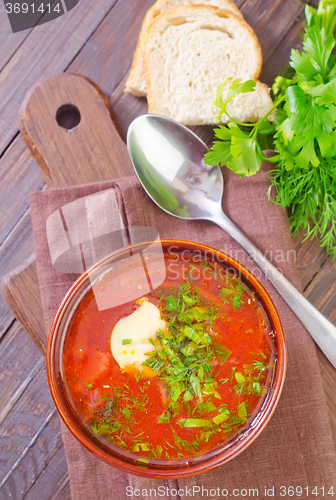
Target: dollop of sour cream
130, 337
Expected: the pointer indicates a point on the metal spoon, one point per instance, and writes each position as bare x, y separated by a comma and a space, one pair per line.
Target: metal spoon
168, 160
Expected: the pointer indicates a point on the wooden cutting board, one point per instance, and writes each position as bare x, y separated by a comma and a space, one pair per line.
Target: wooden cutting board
68, 126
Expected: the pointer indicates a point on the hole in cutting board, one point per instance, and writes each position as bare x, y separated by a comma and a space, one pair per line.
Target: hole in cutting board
68, 116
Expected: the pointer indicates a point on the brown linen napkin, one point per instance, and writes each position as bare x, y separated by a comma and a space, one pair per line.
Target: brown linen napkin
296, 448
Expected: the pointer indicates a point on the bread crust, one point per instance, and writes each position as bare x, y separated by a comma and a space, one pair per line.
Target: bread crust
165, 5
184, 9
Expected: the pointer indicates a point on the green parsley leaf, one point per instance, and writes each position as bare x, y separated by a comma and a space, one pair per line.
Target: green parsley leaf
222, 352
164, 419
256, 388
242, 411
237, 302
141, 447
206, 436
239, 377
258, 365
172, 304
195, 422
221, 417
127, 414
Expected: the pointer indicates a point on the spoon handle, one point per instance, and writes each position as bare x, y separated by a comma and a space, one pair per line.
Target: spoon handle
321, 329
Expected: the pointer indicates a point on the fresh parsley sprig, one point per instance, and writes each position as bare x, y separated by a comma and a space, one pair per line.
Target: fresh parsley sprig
240, 146
303, 132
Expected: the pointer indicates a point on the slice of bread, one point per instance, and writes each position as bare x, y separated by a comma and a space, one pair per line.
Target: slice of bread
188, 52
136, 82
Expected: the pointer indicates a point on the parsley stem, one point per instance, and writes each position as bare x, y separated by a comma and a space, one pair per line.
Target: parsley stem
275, 105
258, 123
242, 124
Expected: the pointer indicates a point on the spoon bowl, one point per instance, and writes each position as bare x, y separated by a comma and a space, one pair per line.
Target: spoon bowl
169, 161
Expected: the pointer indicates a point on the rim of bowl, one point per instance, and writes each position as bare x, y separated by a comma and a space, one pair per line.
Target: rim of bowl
169, 471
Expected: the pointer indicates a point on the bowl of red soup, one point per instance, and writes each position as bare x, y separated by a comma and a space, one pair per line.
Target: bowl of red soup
166, 359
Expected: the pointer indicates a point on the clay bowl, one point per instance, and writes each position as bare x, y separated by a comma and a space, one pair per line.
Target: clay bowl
116, 456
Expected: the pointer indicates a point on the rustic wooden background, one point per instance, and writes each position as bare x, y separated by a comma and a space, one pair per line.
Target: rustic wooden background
96, 39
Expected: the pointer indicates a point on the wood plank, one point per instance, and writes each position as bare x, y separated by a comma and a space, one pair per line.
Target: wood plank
9, 42
21, 292
239, 3
17, 248
43, 55
29, 468
32, 457
53, 482
329, 386
62, 492
310, 257
19, 176
19, 361
322, 290
30, 436
126, 106
112, 45
53, 479
281, 53
271, 20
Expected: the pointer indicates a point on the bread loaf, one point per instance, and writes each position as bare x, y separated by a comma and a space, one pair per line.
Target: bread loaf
188, 52
136, 82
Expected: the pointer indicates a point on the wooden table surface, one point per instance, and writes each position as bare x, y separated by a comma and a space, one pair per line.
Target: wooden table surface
95, 39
